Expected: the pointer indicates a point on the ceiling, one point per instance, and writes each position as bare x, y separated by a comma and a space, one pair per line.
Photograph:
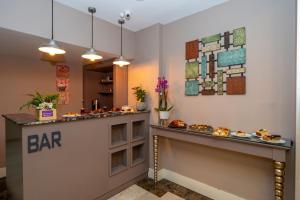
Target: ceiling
18, 44
144, 12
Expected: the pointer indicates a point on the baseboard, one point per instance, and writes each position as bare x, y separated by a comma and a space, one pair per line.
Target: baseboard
201, 188
2, 172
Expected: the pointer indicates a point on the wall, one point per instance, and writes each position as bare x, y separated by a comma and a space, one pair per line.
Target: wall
145, 68
70, 26
269, 102
297, 185
20, 76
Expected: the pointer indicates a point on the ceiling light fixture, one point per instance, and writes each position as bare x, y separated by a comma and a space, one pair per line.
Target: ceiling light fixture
91, 54
121, 61
51, 47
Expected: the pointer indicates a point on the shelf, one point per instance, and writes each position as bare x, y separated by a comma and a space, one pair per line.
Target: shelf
106, 93
138, 154
118, 161
138, 130
118, 135
106, 81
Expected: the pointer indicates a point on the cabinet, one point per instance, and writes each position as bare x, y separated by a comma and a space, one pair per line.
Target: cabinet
105, 82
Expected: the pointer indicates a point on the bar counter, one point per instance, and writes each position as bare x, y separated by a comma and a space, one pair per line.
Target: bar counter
88, 158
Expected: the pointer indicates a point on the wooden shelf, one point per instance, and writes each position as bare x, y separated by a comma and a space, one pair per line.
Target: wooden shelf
106, 81
106, 93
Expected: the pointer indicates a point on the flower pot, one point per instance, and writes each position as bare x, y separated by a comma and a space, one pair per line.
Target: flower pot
140, 106
164, 114
46, 114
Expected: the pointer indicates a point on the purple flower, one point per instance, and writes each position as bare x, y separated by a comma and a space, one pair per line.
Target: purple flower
162, 84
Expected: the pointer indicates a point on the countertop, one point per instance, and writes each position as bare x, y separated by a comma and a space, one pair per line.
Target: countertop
24, 119
252, 140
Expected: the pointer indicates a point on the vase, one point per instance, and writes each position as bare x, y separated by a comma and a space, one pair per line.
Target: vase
140, 106
164, 115
46, 114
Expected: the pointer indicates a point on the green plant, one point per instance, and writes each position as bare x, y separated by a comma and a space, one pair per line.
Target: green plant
39, 101
139, 93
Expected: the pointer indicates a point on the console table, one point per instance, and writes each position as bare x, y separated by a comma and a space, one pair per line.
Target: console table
250, 146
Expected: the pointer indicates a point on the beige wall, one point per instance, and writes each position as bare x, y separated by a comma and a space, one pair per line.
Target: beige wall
269, 102
297, 187
70, 26
145, 68
20, 76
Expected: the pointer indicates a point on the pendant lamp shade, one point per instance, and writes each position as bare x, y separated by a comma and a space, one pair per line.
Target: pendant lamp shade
121, 61
51, 47
91, 54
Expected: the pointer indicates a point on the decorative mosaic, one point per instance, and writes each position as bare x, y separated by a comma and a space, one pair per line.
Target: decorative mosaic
216, 64
232, 57
192, 88
239, 36
192, 70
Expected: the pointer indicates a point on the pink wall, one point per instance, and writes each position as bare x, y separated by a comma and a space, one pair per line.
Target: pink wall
269, 102
21, 76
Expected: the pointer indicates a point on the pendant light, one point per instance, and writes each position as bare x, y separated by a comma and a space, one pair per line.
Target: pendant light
51, 47
121, 61
91, 54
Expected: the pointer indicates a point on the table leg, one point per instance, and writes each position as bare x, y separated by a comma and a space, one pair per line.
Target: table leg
279, 179
155, 157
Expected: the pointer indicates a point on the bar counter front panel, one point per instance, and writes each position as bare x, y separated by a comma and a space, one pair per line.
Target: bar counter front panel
85, 160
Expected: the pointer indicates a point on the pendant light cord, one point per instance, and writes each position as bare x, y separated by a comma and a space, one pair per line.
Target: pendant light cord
52, 22
92, 45
121, 39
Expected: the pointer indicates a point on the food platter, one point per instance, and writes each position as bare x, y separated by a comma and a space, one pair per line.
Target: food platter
246, 135
201, 128
281, 141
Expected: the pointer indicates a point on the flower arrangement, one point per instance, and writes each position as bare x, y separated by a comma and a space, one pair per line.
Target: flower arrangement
139, 93
40, 102
162, 89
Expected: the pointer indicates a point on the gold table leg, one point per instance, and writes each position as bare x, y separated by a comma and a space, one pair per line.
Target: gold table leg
279, 179
155, 157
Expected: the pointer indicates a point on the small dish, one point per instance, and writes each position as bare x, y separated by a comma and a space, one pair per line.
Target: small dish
247, 135
254, 135
281, 141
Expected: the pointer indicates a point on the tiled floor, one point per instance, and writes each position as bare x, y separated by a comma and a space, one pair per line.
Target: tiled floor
137, 193
165, 186
164, 190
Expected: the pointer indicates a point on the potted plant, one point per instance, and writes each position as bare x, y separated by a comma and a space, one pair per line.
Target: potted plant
45, 105
140, 95
162, 90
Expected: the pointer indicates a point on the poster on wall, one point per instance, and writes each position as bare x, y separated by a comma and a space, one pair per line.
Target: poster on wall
63, 83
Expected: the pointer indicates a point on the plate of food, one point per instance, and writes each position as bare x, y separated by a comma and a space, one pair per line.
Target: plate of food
71, 115
241, 134
273, 139
221, 132
260, 133
201, 128
177, 124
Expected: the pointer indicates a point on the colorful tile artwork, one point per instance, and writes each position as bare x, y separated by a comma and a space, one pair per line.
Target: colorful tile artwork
221, 60
211, 47
239, 36
203, 66
192, 70
212, 38
233, 57
192, 88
